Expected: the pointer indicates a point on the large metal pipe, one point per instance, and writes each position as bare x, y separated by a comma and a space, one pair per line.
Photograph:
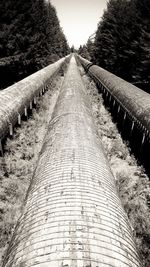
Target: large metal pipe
73, 216
15, 99
134, 101
129, 105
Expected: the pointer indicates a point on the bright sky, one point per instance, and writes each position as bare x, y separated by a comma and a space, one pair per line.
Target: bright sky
79, 18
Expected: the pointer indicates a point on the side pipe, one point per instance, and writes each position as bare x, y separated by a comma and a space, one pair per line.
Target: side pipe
18, 98
130, 100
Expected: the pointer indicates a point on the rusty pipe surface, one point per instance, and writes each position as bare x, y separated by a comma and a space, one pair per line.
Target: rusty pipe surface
73, 216
14, 99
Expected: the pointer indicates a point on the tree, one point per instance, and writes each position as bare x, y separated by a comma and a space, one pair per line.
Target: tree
142, 72
83, 51
122, 39
90, 47
30, 38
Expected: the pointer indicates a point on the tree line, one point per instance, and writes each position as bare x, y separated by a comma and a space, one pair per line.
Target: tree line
122, 41
30, 38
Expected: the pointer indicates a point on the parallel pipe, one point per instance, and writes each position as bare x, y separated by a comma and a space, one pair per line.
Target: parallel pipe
73, 216
134, 101
15, 99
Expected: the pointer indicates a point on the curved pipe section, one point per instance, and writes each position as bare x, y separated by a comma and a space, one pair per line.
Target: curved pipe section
134, 101
16, 98
73, 216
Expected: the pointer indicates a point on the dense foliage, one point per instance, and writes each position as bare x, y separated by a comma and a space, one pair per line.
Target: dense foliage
122, 41
84, 52
30, 38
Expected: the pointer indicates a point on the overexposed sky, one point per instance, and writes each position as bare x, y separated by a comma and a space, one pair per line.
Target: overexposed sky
79, 18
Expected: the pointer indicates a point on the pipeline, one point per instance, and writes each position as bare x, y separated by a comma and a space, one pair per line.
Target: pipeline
72, 215
129, 105
16, 99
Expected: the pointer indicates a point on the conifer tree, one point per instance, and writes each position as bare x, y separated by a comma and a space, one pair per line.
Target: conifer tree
123, 39
83, 51
30, 38
142, 70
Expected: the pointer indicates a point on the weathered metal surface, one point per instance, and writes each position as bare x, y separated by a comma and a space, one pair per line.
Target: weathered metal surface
15, 98
134, 100
73, 216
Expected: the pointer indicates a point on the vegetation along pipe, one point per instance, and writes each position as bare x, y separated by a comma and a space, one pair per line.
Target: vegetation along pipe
73, 216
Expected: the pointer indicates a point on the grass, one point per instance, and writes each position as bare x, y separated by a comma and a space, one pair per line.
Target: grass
132, 182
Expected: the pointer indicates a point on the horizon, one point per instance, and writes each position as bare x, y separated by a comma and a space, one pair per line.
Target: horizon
79, 19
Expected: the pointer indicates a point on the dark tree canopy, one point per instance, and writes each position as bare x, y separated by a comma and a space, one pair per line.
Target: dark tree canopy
83, 51
30, 38
122, 41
